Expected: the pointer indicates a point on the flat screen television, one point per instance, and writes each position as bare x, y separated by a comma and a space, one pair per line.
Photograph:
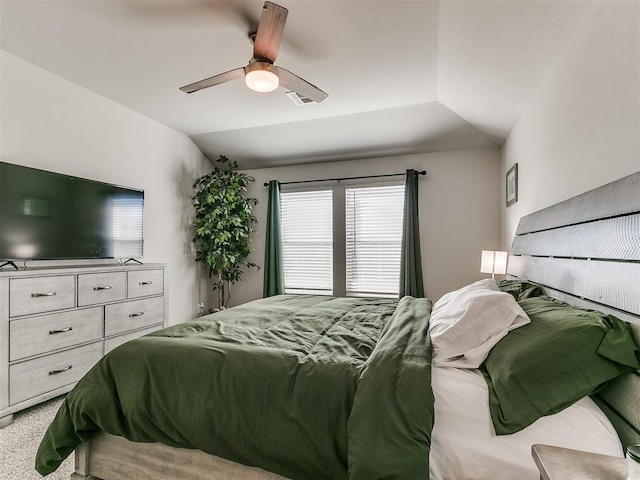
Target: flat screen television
52, 216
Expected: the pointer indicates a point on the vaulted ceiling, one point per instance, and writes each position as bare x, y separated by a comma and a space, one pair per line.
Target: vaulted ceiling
402, 76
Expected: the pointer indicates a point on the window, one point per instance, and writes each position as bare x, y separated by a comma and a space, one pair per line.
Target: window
374, 238
307, 241
363, 251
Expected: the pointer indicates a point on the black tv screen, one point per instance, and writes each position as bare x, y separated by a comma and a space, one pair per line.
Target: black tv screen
51, 216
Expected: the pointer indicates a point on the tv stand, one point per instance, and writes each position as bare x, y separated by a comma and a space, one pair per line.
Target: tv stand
132, 260
57, 322
9, 262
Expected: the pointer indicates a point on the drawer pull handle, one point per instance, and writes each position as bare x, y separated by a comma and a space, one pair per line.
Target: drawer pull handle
53, 332
139, 314
148, 282
106, 287
43, 294
55, 372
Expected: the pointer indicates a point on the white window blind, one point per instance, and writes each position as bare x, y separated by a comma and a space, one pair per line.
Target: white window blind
307, 241
374, 237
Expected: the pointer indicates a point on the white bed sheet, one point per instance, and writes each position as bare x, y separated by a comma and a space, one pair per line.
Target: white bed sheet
465, 447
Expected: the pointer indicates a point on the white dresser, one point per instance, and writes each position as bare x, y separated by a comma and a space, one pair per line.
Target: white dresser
56, 323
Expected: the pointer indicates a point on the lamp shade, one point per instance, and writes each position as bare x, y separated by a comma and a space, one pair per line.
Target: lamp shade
486, 262
500, 263
261, 77
493, 262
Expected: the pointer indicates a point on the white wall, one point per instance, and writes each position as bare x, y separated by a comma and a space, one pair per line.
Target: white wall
459, 211
582, 127
47, 122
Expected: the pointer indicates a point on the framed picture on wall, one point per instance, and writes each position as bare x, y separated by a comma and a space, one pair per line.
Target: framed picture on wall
512, 185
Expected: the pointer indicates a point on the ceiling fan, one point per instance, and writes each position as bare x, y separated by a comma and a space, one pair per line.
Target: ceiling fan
261, 74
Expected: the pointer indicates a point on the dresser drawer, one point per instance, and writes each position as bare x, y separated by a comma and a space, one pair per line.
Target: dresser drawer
122, 317
94, 288
34, 377
46, 333
113, 342
41, 294
142, 283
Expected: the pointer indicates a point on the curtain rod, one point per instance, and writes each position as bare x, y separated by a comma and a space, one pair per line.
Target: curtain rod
423, 172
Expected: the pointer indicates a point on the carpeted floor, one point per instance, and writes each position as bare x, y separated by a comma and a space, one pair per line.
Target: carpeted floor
19, 442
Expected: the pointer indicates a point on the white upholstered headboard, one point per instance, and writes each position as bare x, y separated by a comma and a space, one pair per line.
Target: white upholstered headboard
586, 251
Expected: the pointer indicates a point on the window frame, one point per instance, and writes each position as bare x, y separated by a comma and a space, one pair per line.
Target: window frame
302, 291
339, 203
397, 286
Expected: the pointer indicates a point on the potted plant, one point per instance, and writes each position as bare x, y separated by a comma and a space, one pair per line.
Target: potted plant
223, 225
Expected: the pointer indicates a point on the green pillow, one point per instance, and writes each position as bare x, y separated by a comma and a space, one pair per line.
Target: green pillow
564, 354
520, 290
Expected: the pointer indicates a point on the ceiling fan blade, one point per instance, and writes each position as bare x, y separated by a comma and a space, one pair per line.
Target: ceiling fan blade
215, 80
270, 30
300, 86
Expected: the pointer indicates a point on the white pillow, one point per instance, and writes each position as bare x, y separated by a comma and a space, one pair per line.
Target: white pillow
466, 323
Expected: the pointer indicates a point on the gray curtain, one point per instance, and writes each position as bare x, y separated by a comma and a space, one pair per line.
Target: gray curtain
411, 260
273, 283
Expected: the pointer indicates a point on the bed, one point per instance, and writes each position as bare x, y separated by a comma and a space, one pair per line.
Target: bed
395, 415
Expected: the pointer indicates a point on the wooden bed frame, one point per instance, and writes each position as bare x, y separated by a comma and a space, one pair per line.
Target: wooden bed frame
108, 457
585, 250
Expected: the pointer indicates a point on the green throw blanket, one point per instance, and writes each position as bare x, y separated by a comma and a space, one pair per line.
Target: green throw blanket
304, 386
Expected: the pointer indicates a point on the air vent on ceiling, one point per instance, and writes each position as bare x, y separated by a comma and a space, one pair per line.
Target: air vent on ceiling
299, 99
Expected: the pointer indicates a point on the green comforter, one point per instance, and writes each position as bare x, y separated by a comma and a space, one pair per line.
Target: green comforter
304, 386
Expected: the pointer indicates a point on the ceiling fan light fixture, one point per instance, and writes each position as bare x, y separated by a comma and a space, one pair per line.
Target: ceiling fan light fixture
261, 77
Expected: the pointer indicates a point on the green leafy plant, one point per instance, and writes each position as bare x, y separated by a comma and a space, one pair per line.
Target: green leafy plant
223, 225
